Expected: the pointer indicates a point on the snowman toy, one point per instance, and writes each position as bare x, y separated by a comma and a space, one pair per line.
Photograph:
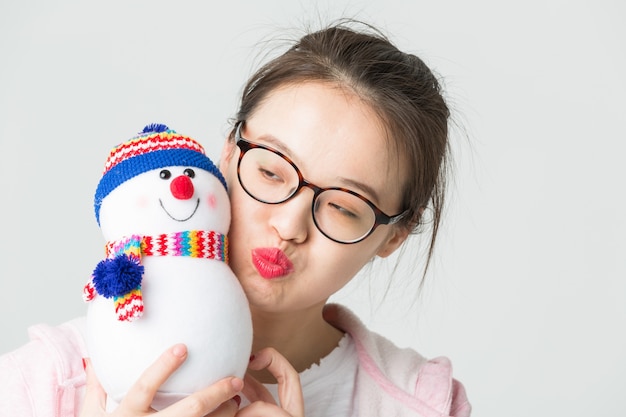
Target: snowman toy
164, 211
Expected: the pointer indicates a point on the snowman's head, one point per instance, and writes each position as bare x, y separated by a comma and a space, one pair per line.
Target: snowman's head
160, 182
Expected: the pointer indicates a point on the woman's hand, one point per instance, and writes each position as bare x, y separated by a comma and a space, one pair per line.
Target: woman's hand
219, 399
289, 389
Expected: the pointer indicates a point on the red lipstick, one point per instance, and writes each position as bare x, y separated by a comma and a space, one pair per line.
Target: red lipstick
271, 262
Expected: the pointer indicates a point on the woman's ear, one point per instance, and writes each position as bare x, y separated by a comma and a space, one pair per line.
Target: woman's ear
393, 242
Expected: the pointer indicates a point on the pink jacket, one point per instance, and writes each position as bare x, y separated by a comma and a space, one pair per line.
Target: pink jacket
398, 382
45, 377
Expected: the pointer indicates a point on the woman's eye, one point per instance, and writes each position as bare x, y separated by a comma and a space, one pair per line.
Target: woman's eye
266, 173
343, 211
190, 173
165, 174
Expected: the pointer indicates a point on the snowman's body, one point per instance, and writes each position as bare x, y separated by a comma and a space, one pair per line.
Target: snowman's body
191, 300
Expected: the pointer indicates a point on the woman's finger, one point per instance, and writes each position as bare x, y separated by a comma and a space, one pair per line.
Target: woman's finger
260, 408
139, 397
94, 401
219, 399
253, 390
227, 409
289, 387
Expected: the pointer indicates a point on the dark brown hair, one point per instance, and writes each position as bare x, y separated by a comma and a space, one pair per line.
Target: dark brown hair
398, 86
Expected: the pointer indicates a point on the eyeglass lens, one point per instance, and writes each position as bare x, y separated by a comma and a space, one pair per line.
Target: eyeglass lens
340, 215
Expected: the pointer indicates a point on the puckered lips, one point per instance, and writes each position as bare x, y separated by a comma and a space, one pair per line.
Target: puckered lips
271, 262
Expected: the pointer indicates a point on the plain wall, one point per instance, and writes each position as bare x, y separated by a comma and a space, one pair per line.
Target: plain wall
527, 290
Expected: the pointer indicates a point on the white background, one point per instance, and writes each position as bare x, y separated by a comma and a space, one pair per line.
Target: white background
527, 294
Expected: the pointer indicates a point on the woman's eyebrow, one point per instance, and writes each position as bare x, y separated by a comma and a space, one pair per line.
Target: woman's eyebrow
273, 142
362, 189
270, 140
276, 144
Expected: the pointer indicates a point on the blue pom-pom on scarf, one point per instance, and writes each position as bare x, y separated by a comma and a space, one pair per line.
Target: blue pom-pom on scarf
117, 276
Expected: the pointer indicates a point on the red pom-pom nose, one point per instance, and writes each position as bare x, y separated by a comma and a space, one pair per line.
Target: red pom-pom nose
182, 187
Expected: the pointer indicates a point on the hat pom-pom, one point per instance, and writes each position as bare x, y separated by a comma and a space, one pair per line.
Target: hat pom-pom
155, 128
117, 276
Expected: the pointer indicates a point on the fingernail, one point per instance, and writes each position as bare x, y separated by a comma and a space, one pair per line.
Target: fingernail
179, 350
84, 364
237, 399
237, 384
252, 358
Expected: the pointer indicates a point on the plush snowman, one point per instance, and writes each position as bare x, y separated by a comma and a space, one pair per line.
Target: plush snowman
164, 211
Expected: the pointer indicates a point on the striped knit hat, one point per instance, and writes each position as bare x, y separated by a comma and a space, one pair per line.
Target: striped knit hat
155, 147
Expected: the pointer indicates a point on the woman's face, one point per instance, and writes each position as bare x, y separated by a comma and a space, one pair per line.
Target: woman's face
283, 262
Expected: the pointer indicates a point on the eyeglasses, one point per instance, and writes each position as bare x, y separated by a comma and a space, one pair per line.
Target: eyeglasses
340, 214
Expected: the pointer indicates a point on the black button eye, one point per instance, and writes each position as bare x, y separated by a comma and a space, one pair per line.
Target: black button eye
190, 173
165, 174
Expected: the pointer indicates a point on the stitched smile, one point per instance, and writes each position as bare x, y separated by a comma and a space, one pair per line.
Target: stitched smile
180, 220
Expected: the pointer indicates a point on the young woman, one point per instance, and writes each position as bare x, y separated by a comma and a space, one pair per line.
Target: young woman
339, 146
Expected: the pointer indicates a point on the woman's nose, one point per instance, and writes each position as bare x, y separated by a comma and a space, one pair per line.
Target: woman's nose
292, 219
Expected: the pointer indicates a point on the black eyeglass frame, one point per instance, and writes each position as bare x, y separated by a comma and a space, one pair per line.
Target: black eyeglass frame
380, 218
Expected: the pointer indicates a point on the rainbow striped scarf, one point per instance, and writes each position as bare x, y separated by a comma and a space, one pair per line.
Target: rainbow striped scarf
194, 243
119, 275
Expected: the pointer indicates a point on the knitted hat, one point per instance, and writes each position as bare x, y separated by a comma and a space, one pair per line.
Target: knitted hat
155, 147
